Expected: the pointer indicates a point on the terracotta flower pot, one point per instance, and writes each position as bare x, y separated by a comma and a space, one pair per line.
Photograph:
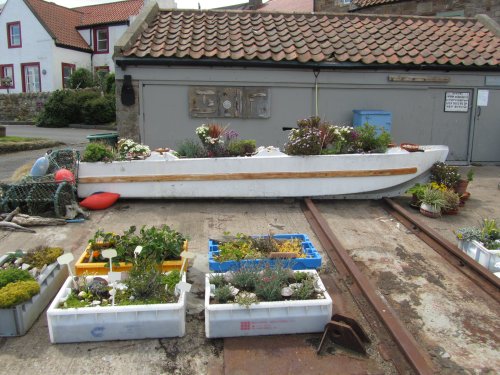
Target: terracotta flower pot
452, 211
461, 187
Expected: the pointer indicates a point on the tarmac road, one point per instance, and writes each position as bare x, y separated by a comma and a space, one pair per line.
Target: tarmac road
72, 137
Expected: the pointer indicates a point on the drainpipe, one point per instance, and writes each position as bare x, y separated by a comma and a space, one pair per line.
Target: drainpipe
91, 53
316, 74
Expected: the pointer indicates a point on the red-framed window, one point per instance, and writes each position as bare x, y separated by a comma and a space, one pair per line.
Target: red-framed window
101, 40
6, 72
14, 34
67, 70
101, 70
30, 74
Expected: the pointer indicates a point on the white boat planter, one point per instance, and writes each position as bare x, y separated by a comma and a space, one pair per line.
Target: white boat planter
266, 318
16, 321
262, 176
487, 258
115, 322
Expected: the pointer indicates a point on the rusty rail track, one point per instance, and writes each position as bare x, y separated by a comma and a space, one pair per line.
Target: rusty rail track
480, 275
344, 264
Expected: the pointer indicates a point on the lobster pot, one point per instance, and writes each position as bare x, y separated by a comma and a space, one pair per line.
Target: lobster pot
38, 198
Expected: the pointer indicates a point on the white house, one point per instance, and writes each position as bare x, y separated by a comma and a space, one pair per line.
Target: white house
42, 43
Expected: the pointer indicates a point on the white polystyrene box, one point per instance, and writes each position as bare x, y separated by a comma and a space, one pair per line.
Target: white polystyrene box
266, 318
115, 322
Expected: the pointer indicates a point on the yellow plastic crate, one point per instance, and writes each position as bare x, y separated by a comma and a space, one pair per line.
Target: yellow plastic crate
102, 268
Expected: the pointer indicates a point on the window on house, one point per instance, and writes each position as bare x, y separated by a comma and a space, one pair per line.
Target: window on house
31, 77
101, 71
67, 71
7, 76
345, 2
101, 40
14, 34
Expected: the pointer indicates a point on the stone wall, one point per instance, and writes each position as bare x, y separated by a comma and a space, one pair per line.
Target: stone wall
421, 8
21, 107
127, 117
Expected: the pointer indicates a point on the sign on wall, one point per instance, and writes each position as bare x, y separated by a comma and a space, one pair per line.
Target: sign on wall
229, 102
456, 101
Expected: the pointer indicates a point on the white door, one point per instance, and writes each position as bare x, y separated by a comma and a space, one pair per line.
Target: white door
31, 78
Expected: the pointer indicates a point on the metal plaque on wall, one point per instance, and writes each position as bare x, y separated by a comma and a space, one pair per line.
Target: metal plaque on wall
229, 102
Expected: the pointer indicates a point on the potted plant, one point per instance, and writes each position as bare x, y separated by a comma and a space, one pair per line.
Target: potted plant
28, 282
432, 202
416, 192
265, 301
462, 184
482, 243
452, 202
442, 173
162, 244
232, 252
147, 304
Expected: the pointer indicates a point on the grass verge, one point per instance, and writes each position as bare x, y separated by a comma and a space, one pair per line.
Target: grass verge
15, 144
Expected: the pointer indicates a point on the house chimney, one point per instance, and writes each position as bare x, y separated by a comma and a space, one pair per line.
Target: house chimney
254, 4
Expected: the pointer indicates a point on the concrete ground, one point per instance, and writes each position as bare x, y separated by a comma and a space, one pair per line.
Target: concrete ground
200, 220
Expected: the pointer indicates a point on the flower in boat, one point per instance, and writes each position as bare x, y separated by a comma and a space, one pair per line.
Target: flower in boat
129, 149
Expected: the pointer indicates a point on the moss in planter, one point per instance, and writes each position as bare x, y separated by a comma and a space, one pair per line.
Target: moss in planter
12, 275
41, 256
15, 293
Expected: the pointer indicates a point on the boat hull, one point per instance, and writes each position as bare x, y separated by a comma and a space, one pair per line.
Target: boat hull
332, 176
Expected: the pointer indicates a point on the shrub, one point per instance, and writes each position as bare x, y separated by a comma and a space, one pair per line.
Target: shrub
64, 107
304, 141
368, 140
100, 110
242, 147
57, 111
81, 78
18, 292
191, 149
96, 151
12, 275
110, 84
445, 174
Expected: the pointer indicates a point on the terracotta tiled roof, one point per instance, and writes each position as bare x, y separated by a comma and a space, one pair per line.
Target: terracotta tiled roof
320, 38
368, 3
109, 13
60, 22
288, 6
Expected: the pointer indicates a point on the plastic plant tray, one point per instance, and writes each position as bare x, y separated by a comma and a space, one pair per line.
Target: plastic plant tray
485, 257
131, 322
266, 318
311, 261
102, 268
16, 321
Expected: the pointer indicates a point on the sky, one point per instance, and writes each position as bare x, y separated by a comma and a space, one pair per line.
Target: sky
182, 4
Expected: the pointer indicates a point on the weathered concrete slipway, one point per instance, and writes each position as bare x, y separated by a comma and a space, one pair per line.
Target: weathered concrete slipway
447, 316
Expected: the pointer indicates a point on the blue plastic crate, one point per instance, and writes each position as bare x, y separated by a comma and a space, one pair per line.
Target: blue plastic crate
379, 119
311, 261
